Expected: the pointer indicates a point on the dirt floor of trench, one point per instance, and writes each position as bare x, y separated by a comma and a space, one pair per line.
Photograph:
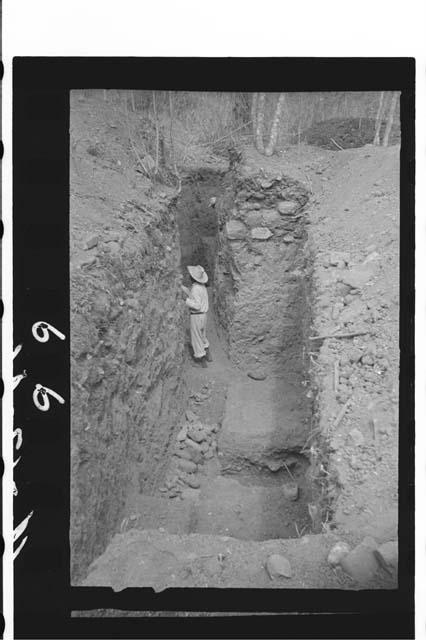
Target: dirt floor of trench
234, 498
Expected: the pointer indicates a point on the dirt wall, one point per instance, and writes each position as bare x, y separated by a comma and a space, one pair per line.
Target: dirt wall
260, 277
127, 327
197, 219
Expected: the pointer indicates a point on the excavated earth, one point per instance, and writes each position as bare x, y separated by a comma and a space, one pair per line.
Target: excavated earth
285, 445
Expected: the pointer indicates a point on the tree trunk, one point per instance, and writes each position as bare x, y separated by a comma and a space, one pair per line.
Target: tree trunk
275, 124
299, 124
254, 114
172, 147
391, 115
157, 133
260, 122
132, 97
379, 118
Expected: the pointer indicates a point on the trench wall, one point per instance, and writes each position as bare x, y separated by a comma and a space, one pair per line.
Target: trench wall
197, 219
127, 322
260, 276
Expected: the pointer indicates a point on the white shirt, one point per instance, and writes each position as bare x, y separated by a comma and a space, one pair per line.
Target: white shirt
198, 299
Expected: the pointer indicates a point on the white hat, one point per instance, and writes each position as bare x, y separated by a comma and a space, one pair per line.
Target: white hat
198, 273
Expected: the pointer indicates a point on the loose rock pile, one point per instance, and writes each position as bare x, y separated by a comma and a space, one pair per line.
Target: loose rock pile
196, 443
352, 310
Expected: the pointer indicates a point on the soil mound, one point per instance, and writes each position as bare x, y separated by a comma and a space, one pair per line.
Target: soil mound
347, 132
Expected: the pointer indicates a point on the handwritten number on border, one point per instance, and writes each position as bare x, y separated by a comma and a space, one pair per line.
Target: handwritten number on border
44, 328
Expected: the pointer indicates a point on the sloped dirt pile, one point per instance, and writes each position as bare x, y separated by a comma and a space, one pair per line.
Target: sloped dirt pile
348, 133
356, 373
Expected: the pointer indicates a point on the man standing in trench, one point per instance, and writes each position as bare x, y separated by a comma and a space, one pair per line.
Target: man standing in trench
198, 302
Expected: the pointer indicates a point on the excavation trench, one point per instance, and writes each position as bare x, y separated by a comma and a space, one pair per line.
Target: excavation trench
138, 397
247, 478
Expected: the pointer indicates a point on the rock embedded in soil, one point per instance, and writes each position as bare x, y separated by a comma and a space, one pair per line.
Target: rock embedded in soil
287, 207
343, 290
354, 355
361, 563
336, 258
196, 434
235, 230
278, 566
184, 454
387, 555
182, 434
271, 217
187, 465
88, 262
192, 481
91, 241
259, 374
190, 494
290, 490
337, 553
357, 437
274, 465
196, 456
191, 416
194, 445
358, 277
205, 447
353, 312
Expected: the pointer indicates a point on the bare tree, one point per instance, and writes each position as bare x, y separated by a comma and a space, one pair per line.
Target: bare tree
254, 114
299, 121
270, 148
391, 115
260, 122
379, 118
157, 133
172, 149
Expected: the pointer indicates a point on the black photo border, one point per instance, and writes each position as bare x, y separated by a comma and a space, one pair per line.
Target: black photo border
43, 597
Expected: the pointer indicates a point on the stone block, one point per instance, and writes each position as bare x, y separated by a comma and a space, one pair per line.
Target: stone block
261, 233
235, 230
287, 207
271, 217
254, 219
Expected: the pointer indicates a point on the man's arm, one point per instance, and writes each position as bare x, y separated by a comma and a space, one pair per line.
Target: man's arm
193, 301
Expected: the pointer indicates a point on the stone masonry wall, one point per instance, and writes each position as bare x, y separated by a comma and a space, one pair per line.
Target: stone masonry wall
259, 290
